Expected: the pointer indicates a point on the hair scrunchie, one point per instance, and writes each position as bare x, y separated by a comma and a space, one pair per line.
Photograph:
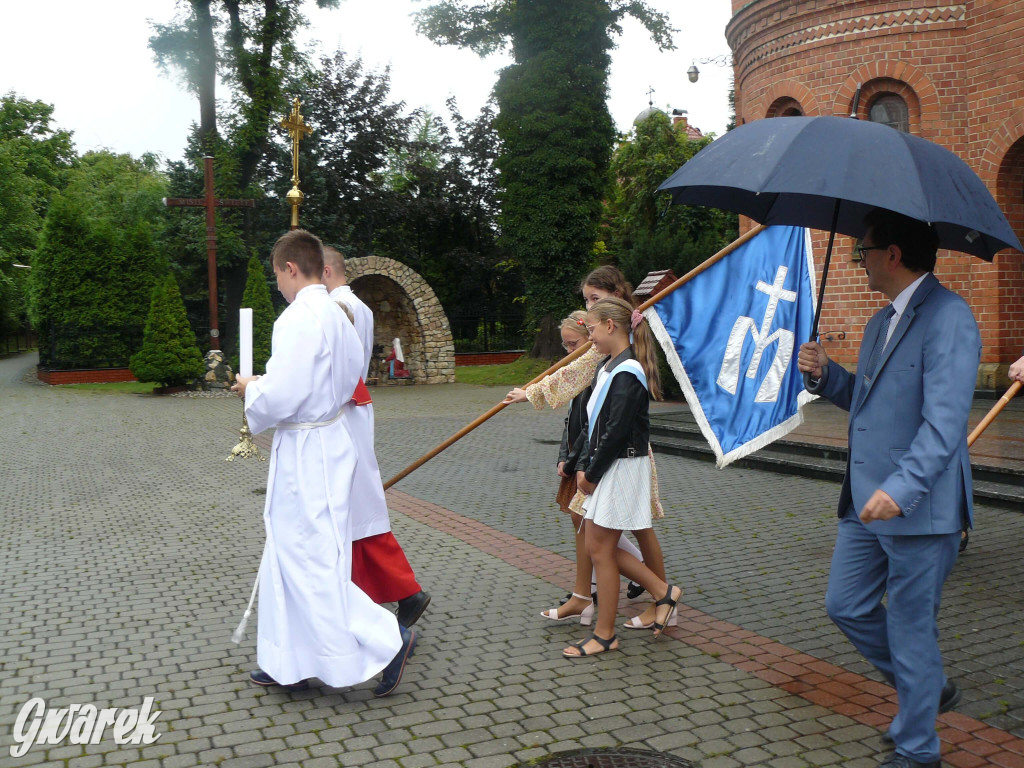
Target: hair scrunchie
635, 319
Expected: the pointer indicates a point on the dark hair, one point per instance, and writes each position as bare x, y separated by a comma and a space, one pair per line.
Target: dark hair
609, 278
918, 241
334, 258
302, 249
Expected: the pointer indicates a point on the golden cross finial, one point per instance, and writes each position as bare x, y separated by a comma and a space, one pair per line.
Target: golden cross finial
296, 126
298, 130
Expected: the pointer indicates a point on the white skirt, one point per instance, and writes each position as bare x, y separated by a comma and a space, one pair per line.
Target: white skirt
622, 499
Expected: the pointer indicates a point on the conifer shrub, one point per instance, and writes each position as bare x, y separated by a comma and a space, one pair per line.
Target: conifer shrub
97, 262
169, 354
257, 297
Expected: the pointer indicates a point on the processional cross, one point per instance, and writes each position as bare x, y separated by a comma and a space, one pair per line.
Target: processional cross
211, 204
296, 126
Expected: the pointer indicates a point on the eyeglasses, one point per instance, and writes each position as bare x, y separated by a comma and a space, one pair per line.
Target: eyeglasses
590, 328
570, 346
860, 250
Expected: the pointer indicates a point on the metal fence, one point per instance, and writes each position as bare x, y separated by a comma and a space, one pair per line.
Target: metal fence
68, 347
17, 341
482, 333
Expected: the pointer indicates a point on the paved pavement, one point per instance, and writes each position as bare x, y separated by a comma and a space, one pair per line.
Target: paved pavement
128, 547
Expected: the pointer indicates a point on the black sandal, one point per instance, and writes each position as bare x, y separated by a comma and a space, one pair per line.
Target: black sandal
666, 600
605, 644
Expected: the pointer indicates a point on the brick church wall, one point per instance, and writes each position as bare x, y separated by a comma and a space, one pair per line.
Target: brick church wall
960, 69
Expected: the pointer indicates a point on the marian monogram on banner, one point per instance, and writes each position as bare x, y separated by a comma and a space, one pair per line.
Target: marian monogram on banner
729, 376
730, 337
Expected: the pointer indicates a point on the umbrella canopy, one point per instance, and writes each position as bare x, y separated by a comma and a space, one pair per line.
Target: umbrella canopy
793, 170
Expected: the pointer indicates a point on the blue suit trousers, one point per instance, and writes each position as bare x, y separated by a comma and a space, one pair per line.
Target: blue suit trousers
901, 637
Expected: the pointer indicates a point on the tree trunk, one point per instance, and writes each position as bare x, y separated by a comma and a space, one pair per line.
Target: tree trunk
548, 343
206, 75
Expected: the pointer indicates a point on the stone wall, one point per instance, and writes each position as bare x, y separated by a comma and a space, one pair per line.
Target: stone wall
404, 305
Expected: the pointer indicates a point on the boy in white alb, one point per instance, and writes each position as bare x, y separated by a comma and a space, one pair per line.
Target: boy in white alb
379, 565
314, 622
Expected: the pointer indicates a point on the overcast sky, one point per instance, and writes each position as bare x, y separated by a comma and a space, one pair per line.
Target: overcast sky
97, 71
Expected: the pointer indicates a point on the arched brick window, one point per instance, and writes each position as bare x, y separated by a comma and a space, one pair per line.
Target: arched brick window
890, 109
897, 78
786, 106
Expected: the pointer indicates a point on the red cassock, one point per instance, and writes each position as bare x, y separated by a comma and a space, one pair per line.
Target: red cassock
379, 566
381, 570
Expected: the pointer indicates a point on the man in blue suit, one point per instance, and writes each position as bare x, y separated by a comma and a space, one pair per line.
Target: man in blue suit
907, 491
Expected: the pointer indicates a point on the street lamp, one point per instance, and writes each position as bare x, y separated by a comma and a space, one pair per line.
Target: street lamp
724, 60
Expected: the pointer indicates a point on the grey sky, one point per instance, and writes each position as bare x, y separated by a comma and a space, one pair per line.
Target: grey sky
99, 74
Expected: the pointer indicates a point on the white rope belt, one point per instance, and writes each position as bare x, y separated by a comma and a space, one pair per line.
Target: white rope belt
310, 424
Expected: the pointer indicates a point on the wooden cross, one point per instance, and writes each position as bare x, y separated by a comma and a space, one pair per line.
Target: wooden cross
211, 204
296, 126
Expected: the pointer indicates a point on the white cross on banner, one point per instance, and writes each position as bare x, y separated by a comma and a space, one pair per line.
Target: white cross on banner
731, 336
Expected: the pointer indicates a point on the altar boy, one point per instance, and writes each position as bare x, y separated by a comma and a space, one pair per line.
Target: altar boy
314, 622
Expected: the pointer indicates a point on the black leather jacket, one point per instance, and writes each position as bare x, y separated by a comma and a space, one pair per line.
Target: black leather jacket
574, 423
623, 425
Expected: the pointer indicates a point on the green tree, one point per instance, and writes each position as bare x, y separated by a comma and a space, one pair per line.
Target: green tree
257, 296
34, 158
169, 353
358, 128
555, 130
644, 230
97, 261
19, 223
251, 46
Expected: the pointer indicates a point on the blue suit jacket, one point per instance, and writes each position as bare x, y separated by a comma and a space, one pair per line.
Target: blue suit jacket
908, 426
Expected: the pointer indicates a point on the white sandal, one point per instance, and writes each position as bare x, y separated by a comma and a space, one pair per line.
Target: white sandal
635, 622
586, 616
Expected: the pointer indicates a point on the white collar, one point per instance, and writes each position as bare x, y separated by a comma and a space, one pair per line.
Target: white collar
899, 304
309, 290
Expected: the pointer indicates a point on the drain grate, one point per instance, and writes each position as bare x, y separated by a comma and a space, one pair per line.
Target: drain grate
610, 758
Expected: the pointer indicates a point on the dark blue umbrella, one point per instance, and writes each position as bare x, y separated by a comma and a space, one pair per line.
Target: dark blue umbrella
828, 172
802, 170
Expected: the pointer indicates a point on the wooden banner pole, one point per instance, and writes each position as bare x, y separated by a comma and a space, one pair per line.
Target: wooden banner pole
991, 415
577, 353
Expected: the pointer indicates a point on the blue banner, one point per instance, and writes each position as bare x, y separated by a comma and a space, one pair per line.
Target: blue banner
731, 336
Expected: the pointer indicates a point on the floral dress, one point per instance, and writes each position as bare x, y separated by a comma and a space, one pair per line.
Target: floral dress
557, 389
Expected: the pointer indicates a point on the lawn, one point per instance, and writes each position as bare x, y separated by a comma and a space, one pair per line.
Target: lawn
511, 374
125, 387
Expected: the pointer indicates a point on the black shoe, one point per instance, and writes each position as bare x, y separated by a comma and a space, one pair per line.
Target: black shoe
260, 677
412, 607
902, 761
565, 599
948, 700
393, 671
634, 590
951, 697
965, 539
